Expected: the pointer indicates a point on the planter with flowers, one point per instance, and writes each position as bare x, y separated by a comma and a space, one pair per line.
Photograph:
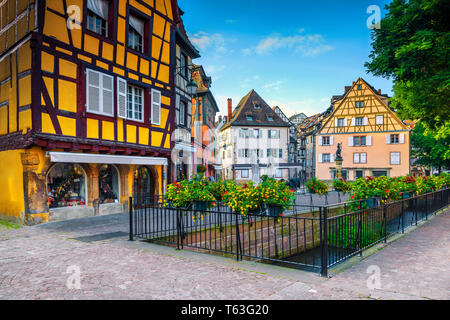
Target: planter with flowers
190, 193
276, 195
244, 199
219, 187
342, 186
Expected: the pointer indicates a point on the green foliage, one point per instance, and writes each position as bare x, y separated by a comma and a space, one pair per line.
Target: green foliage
275, 192
429, 148
412, 47
219, 187
317, 186
243, 198
9, 224
342, 186
349, 233
182, 194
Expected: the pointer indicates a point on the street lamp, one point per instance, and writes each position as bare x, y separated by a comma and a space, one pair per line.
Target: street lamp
192, 88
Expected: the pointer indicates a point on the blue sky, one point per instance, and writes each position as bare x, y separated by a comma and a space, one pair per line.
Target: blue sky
296, 54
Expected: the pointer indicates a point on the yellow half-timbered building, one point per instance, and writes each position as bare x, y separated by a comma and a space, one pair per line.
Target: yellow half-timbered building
86, 104
373, 139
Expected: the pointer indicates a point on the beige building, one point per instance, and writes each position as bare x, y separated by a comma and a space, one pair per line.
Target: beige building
374, 140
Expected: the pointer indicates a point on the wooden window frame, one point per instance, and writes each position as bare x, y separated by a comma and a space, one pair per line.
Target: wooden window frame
133, 109
110, 23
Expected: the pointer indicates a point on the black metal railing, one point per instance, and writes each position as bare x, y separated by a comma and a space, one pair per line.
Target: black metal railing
314, 238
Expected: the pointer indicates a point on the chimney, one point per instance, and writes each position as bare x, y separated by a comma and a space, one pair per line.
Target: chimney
353, 83
230, 108
379, 91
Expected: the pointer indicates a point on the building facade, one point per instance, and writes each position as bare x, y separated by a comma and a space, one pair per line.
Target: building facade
182, 163
87, 105
293, 145
374, 140
203, 131
254, 141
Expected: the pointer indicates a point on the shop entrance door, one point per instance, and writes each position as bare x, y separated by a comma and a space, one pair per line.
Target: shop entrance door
143, 185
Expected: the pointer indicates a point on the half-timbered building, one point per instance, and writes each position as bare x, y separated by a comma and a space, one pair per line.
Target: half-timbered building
204, 110
86, 104
182, 154
374, 140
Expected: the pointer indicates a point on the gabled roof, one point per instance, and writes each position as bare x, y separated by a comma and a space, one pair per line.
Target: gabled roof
381, 98
253, 105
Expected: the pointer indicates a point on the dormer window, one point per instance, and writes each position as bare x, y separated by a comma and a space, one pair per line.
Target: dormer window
270, 118
359, 87
249, 118
98, 11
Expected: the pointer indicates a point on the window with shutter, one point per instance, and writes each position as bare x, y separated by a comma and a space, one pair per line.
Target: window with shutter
363, 157
356, 158
135, 103
121, 98
99, 93
156, 107
350, 141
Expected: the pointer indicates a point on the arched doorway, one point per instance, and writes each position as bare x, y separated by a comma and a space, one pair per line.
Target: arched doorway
66, 186
144, 184
108, 183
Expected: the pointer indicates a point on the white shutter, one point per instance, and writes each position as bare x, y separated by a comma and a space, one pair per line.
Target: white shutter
331, 140
402, 138
356, 158
350, 141
335, 122
156, 107
121, 98
369, 140
320, 157
93, 91
388, 139
331, 157
353, 121
320, 140
178, 106
365, 121
345, 122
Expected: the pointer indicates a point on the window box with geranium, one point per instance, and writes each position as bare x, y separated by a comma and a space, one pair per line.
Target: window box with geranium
243, 199
190, 193
276, 196
317, 186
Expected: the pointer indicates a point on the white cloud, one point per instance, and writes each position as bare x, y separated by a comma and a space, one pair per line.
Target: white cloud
205, 40
276, 85
305, 44
214, 71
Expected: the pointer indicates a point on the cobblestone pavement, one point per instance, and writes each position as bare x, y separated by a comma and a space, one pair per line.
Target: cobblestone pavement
34, 262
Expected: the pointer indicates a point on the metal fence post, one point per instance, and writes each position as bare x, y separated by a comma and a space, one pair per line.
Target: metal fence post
426, 206
403, 215
238, 240
178, 229
323, 241
385, 222
130, 206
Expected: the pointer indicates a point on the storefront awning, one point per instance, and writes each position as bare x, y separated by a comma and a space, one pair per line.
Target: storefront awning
68, 157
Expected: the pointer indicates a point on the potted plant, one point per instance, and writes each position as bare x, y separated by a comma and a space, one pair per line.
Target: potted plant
243, 199
276, 195
187, 193
341, 185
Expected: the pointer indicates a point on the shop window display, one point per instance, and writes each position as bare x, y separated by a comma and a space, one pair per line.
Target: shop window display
108, 180
66, 186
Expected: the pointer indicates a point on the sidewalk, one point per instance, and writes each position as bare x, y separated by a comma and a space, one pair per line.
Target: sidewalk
34, 262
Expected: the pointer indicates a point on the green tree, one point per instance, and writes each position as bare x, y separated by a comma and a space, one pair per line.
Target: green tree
429, 149
412, 48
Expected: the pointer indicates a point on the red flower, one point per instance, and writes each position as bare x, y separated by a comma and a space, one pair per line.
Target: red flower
281, 214
387, 191
353, 196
